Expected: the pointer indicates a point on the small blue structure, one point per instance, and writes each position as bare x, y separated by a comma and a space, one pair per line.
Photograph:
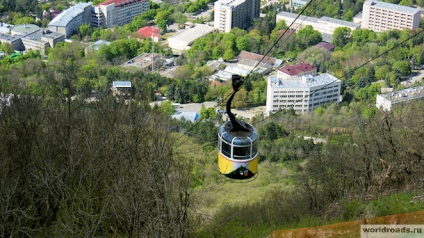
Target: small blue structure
122, 87
189, 116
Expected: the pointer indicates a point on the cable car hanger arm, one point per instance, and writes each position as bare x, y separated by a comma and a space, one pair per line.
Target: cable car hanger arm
236, 125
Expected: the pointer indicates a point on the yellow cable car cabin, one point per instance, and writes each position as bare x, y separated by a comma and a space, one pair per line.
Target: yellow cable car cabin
237, 144
238, 152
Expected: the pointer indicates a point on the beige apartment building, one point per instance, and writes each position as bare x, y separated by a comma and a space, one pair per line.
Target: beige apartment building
381, 16
117, 12
235, 13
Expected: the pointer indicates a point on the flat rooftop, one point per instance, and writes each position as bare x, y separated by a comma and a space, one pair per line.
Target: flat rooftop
25, 29
339, 22
391, 6
404, 94
8, 37
191, 34
53, 35
303, 18
306, 81
230, 3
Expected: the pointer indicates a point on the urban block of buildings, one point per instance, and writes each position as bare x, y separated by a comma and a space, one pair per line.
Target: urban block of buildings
107, 14
117, 12
31, 37
301, 91
235, 13
181, 41
387, 100
325, 25
382, 16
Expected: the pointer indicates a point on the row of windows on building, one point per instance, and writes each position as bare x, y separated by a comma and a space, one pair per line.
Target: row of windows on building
303, 105
302, 93
385, 11
395, 17
325, 97
384, 20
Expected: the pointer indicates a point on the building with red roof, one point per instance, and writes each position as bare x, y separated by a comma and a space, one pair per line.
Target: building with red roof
296, 70
327, 46
149, 31
117, 12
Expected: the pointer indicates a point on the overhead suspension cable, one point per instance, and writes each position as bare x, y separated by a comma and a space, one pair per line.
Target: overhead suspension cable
257, 64
349, 72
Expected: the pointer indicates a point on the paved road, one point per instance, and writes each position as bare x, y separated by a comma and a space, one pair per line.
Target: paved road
195, 107
169, 72
414, 79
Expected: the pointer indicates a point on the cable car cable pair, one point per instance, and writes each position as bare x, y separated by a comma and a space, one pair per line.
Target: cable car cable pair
238, 141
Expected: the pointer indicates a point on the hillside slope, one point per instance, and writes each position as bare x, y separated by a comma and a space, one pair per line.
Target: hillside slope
352, 228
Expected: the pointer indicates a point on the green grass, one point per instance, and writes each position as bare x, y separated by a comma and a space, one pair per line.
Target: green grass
214, 192
218, 191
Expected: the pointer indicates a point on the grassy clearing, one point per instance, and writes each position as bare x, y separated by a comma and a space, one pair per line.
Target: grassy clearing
218, 191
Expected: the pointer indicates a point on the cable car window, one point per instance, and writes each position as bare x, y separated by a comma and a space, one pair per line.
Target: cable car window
226, 149
255, 148
242, 153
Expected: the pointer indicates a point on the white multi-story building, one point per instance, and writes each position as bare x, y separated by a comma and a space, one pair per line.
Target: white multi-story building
235, 13
295, 4
117, 12
325, 25
31, 37
382, 16
69, 20
302, 93
387, 100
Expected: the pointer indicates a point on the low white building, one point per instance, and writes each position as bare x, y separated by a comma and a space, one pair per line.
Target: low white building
181, 41
122, 88
303, 93
295, 4
387, 100
325, 25
226, 74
